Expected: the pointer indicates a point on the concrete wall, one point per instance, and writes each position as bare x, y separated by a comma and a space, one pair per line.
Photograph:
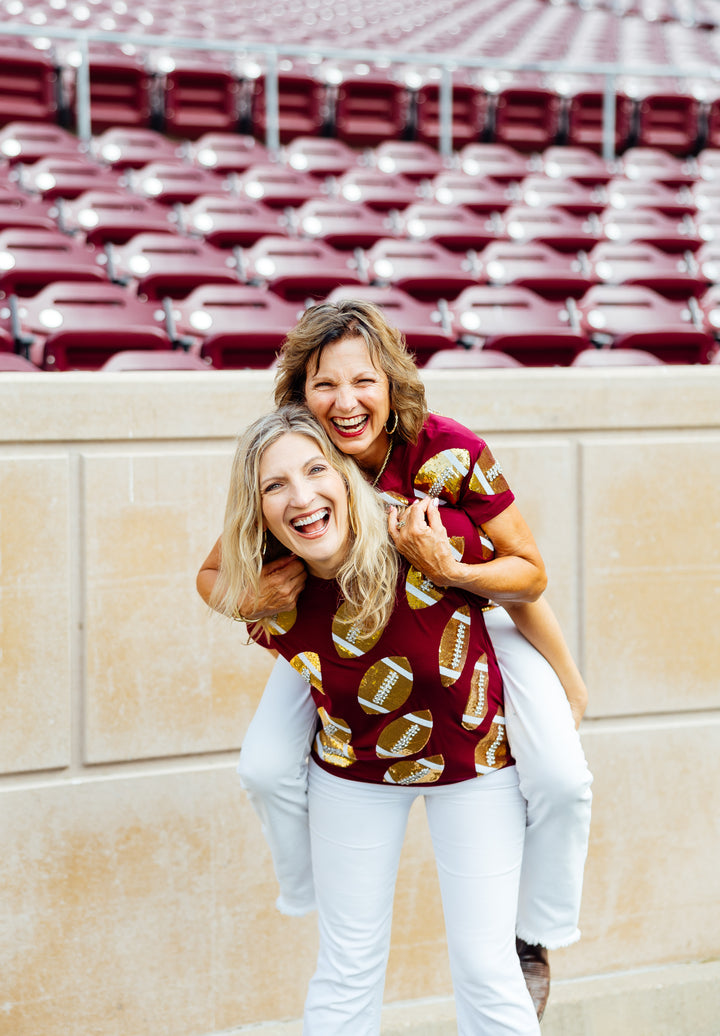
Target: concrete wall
137, 894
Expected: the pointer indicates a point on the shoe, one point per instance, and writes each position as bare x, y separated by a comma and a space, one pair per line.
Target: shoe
536, 970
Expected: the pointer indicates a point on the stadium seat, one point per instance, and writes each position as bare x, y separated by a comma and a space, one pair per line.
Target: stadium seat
155, 360
470, 359
120, 89
277, 186
634, 317
668, 118
116, 216
341, 224
576, 163
641, 263
235, 326
469, 112
584, 115
320, 156
424, 269
537, 266
299, 269
553, 227
420, 322
651, 227
479, 194
77, 326
28, 83
160, 265
517, 321
30, 259
456, 228
226, 221
12, 363
412, 159
18, 209
622, 193
199, 97
498, 161
302, 106
538, 191
227, 152
127, 147
707, 258
377, 190
649, 163
27, 142
67, 177
369, 109
616, 358
173, 182
707, 163
709, 307
526, 117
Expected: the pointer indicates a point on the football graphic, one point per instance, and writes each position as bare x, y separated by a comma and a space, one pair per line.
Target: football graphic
442, 475
282, 622
487, 477
420, 592
477, 703
332, 744
415, 771
454, 646
307, 664
389, 496
406, 735
348, 640
386, 686
492, 751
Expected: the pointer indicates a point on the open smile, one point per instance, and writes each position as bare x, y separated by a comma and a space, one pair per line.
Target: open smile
313, 524
349, 427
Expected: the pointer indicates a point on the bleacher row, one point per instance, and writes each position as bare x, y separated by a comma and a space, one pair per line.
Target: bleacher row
138, 246
174, 237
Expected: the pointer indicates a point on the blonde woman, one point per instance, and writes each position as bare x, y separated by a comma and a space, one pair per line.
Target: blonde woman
409, 705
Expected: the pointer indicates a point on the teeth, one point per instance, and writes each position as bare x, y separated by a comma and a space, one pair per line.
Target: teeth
349, 423
308, 519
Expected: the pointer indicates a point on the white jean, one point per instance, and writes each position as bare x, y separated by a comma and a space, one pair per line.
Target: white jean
357, 831
554, 780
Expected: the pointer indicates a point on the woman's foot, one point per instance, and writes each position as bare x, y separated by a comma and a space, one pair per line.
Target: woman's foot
536, 969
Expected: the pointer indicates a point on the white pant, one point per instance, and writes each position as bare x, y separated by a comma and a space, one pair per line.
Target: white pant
554, 779
357, 831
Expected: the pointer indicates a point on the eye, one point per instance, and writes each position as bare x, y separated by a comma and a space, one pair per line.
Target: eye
318, 469
270, 487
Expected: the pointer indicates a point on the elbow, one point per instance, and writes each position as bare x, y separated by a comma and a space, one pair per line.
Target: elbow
536, 585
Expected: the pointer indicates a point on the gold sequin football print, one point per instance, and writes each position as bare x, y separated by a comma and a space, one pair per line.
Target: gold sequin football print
442, 475
386, 686
406, 735
487, 477
492, 751
348, 640
454, 646
415, 771
477, 703
307, 664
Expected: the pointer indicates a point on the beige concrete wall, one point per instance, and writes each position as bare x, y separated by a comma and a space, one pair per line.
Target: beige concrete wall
137, 896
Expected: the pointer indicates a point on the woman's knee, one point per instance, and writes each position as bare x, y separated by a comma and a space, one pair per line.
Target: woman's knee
263, 772
560, 785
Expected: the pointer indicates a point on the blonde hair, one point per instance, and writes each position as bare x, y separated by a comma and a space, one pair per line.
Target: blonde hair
368, 575
349, 318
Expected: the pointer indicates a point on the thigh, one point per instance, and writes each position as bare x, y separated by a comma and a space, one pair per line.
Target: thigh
357, 831
278, 739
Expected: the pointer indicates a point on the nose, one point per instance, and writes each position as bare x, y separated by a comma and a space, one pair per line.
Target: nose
301, 493
345, 398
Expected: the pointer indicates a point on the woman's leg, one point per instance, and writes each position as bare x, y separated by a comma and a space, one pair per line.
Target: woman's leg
357, 832
555, 781
478, 829
273, 771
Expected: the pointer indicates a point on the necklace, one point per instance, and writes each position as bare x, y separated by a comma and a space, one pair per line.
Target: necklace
384, 464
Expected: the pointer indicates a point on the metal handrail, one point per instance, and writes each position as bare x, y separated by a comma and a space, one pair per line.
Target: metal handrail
447, 63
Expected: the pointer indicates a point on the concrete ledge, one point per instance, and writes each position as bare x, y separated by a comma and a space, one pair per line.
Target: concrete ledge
679, 1000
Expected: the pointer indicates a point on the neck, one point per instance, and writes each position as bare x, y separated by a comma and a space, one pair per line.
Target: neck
375, 457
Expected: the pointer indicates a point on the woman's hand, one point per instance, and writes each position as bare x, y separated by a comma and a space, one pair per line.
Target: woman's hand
420, 536
281, 582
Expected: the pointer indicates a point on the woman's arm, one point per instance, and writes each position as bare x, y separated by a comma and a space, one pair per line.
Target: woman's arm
538, 624
280, 584
516, 574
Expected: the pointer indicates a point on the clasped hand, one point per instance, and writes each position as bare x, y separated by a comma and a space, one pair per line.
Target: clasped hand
420, 536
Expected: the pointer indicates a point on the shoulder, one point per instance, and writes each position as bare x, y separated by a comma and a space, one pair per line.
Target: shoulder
440, 433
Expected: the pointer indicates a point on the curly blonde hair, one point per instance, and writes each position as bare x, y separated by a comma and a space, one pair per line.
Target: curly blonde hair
330, 322
368, 575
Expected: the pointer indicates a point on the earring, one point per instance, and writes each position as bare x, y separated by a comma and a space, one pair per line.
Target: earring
391, 431
263, 549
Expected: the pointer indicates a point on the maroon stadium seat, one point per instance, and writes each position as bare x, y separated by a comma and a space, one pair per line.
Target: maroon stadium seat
155, 360
469, 112
534, 265
642, 263
67, 176
425, 269
584, 115
456, 228
225, 220
298, 269
526, 117
302, 106
576, 163
320, 156
669, 118
471, 359
412, 159
649, 194
477, 193
517, 321
341, 224
553, 227
18, 209
128, 147
277, 185
120, 89
538, 191
227, 152
199, 96
649, 163
635, 317
651, 227
498, 161
30, 259
27, 85
167, 264
173, 182
377, 190
27, 142
115, 216
78, 326
616, 358
370, 109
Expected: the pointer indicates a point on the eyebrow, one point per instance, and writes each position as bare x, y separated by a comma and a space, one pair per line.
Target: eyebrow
308, 462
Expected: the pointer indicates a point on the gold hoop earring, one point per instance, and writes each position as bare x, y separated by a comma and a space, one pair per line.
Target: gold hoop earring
263, 549
391, 431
